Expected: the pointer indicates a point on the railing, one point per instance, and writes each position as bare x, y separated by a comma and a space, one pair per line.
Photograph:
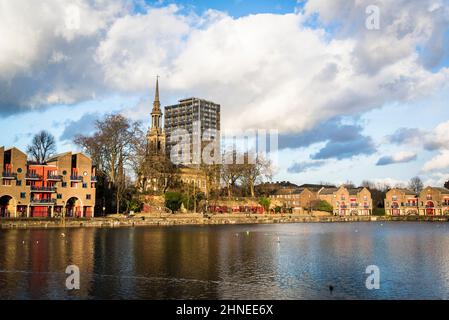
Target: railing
43, 201
43, 189
54, 177
33, 176
354, 205
9, 175
76, 178
410, 205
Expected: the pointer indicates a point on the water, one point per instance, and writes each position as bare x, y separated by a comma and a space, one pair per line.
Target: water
279, 261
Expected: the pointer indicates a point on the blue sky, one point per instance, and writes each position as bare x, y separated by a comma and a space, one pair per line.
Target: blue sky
348, 105
236, 8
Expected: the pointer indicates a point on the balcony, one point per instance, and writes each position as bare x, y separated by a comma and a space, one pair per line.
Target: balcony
54, 177
43, 189
354, 205
9, 175
410, 204
33, 176
76, 178
43, 201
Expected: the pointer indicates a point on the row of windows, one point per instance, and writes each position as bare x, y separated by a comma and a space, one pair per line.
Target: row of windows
18, 183
23, 195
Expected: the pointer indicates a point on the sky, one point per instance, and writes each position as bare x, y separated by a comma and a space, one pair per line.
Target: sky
355, 92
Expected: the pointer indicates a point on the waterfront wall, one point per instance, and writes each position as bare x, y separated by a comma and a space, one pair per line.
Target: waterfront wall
199, 219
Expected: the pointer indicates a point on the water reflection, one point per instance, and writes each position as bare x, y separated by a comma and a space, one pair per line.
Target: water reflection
295, 261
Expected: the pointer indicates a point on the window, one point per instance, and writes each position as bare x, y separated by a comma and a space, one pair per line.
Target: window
84, 185
73, 185
18, 182
64, 184
88, 196
6, 182
59, 196
19, 170
23, 195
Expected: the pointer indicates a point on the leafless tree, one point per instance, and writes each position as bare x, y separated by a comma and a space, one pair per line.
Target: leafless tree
113, 147
42, 146
256, 171
416, 184
231, 171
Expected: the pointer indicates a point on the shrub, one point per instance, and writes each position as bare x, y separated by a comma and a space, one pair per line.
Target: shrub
378, 211
322, 205
173, 200
265, 203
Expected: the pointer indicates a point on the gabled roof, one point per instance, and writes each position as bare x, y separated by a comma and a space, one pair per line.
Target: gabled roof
59, 155
354, 191
327, 191
442, 190
405, 191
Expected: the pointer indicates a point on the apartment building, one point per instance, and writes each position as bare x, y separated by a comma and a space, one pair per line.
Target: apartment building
399, 202
295, 198
63, 186
430, 201
348, 201
434, 201
199, 117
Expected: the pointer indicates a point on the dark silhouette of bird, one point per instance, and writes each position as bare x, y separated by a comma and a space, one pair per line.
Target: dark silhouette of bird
331, 288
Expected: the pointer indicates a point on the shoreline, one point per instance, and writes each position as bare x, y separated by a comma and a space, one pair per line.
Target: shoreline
199, 219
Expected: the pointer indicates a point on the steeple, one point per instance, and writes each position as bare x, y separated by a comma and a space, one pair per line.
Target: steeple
156, 135
156, 113
156, 103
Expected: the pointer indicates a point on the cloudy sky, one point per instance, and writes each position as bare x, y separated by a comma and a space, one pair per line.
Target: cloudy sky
349, 102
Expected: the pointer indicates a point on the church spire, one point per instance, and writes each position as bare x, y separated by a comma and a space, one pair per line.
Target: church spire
156, 103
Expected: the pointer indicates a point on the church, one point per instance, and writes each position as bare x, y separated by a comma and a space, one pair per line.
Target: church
184, 115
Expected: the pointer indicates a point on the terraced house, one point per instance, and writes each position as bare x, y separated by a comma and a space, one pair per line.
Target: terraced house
400, 202
348, 201
295, 198
429, 202
434, 201
63, 186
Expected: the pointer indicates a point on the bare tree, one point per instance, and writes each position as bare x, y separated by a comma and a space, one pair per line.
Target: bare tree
256, 171
113, 147
416, 184
231, 171
42, 146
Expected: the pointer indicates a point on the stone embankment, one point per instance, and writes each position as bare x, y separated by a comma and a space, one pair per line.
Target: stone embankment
200, 219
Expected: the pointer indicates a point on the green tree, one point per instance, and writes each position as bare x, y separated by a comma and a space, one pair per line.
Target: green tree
173, 200
322, 205
265, 203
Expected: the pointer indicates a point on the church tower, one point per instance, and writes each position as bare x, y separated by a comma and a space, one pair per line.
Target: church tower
156, 135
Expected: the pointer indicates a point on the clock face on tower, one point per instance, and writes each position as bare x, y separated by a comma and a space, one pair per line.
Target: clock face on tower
85, 173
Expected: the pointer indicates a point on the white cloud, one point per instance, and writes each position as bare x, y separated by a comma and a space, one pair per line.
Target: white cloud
272, 77
272, 71
441, 161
